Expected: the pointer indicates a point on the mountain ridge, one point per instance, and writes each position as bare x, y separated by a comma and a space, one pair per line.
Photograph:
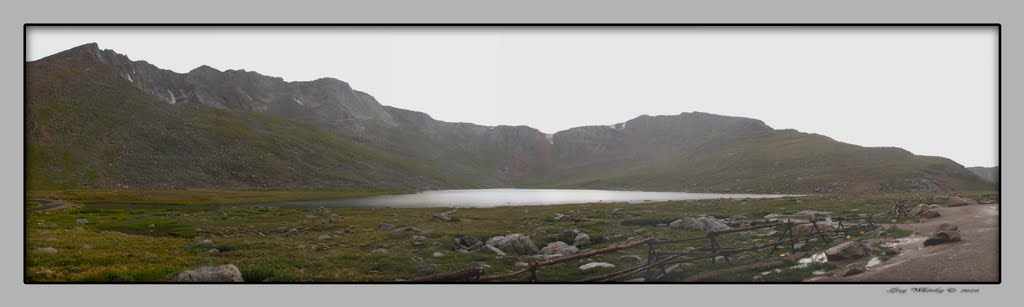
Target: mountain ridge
687, 151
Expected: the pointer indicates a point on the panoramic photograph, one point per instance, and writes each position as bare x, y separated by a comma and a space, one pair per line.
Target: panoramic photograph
511, 154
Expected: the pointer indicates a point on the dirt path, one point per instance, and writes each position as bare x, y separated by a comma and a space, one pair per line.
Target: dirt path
973, 259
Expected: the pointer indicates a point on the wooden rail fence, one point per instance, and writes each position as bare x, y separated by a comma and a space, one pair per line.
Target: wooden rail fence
788, 237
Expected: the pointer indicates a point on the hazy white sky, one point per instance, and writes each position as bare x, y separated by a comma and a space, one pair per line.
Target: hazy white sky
930, 90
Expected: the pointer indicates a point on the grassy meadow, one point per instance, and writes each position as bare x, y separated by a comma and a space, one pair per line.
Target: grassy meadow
362, 245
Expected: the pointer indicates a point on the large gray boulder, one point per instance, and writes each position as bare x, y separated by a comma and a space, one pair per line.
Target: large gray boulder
221, 273
559, 248
517, 243
494, 240
846, 251
686, 223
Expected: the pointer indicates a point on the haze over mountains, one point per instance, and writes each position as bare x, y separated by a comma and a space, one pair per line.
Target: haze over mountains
98, 120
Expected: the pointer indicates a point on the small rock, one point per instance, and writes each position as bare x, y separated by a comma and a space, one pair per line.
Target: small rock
494, 240
467, 241
152, 225
324, 237
638, 279
437, 254
408, 229
45, 250
205, 242
632, 258
213, 251
521, 264
87, 246
379, 251
291, 232
676, 268
419, 240
385, 226
223, 273
595, 265
81, 221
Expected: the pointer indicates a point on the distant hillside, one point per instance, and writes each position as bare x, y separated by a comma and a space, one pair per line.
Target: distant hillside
97, 119
990, 174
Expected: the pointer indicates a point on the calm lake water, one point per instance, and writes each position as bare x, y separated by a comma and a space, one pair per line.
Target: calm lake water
513, 197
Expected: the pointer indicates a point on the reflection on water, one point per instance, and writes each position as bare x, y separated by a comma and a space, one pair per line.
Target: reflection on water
520, 197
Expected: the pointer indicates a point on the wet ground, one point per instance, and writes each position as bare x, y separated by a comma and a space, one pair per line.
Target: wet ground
975, 258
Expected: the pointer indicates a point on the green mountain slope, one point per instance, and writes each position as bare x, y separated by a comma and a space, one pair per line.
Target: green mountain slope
88, 127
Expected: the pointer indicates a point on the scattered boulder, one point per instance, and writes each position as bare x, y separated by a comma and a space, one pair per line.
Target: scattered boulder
595, 265
442, 217
773, 216
559, 248
929, 214
437, 254
81, 221
222, 273
957, 201
846, 251
517, 243
814, 213
45, 250
419, 240
207, 242
468, 241
945, 233
492, 250
407, 229
213, 251
291, 232
704, 223
581, 240
676, 268
324, 237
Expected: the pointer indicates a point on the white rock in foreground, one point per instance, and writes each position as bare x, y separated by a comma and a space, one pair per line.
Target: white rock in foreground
594, 265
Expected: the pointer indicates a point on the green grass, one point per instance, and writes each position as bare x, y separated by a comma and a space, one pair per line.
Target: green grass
197, 197
252, 238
